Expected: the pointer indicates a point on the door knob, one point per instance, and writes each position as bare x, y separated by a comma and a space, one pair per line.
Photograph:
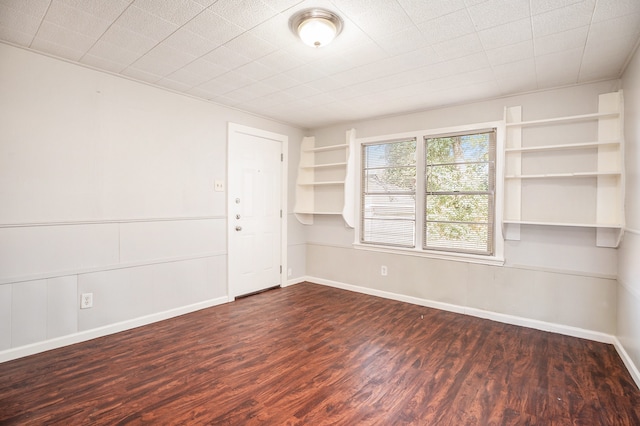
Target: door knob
238, 228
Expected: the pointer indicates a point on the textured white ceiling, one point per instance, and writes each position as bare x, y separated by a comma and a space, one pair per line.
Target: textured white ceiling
393, 56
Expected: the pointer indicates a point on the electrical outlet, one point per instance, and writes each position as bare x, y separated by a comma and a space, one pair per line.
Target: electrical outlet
383, 271
218, 186
86, 300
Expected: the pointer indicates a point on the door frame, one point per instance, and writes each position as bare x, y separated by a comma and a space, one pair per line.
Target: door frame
233, 130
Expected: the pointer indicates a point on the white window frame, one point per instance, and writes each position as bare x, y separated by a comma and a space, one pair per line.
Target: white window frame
498, 256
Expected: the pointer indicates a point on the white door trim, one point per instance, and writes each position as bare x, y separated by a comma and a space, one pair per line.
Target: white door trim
233, 130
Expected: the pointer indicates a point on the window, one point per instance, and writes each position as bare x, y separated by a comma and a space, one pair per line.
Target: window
460, 188
448, 178
389, 193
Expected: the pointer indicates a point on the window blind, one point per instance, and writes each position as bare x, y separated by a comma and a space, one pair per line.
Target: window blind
388, 196
460, 192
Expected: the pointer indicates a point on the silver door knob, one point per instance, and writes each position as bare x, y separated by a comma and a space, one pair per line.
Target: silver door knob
238, 228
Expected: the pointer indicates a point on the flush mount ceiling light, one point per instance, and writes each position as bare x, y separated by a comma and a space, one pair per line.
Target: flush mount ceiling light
316, 27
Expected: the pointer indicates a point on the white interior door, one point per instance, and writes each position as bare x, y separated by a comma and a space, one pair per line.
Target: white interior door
254, 207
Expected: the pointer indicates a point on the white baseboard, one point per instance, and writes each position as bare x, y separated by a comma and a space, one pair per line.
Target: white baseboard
494, 316
295, 281
628, 362
82, 336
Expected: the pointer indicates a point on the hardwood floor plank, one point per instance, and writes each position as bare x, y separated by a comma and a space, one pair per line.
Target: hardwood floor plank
310, 354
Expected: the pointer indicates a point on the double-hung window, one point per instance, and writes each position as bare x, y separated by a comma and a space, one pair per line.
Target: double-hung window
460, 192
388, 204
430, 193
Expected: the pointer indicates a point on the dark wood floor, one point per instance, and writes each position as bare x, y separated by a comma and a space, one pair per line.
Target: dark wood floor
315, 355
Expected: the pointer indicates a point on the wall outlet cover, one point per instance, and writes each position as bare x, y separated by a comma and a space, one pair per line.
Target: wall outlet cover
86, 300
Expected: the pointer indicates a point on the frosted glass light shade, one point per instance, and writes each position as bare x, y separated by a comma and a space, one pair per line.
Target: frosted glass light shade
316, 27
317, 32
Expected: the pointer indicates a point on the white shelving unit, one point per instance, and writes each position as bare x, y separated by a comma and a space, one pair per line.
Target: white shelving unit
598, 191
325, 184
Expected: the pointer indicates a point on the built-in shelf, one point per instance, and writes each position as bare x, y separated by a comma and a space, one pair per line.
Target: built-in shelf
567, 119
336, 182
565, 207
564, 224
324, 166
327, 148
561, 147
563, 175
320, 213
325, 180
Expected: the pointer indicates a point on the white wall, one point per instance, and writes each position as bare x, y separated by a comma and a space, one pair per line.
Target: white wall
106, 186
629, 253
553, 277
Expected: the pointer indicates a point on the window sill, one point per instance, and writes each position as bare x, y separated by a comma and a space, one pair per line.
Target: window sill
456, 257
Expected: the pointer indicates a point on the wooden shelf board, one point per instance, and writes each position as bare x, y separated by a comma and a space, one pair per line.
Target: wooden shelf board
563, 146
327, 148
327, 165
563, 175
568, 119
337, 182
569, 224
326, 213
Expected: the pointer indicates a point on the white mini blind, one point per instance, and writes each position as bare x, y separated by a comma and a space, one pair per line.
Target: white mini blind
460, 192
388, 196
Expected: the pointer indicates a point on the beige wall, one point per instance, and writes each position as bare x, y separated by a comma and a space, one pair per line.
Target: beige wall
553, 277
575, 304
629, 253
106, 186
